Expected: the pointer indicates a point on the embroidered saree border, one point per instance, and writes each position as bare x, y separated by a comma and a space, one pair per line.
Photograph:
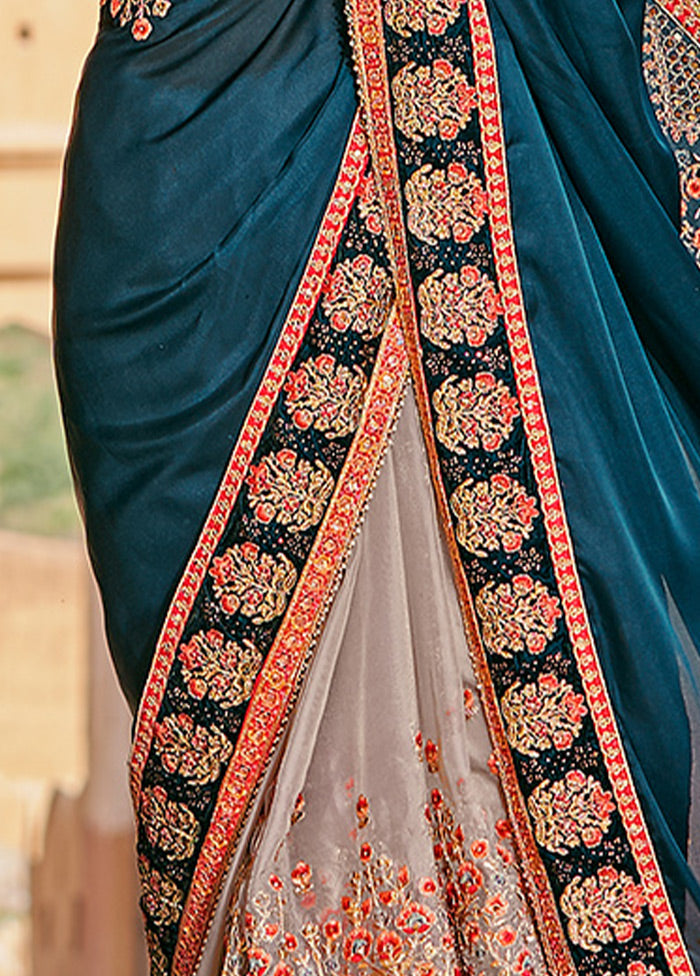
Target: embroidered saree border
243, 623
286, 664
351, 169
540, 438
565, 953
365, 21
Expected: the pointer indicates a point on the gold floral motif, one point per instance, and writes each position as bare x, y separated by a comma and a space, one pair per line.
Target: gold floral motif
494, 514
574, 810
432, 100
517, 616
289, 489
443, 204
254, 583
191, 750
542, 714
160, 896
169, 826
326, 395
369, 203
358, 295
220, 670
474, 413
389, 921
638, 968
606, 907
458, 307
407, 16
138, 13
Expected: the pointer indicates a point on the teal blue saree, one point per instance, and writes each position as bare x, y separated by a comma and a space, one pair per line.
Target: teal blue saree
308, 260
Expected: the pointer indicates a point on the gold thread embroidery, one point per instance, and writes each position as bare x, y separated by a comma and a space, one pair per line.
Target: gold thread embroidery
255, 584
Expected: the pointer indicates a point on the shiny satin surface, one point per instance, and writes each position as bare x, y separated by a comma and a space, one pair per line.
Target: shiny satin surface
613, 303
199, 167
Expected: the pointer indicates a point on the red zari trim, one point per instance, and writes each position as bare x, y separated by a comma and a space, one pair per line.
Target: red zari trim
541, 447
686, 14
279, 681
352, 168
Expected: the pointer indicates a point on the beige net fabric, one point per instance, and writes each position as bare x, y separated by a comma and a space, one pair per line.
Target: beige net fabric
384, 847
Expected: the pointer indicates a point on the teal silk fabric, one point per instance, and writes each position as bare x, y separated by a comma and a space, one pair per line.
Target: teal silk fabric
198, 171
200, 164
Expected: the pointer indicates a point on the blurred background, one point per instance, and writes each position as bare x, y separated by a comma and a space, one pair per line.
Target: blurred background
68, 899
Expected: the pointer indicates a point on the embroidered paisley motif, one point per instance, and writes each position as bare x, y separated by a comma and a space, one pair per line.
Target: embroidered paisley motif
432, 100
221, 670
170, 826
474, 413
575, 810
256, 584
190, 750
494, 514
326, 395
444, 204
138, 13
542, 715
604, 908
161, 897
358, 295
517, 616
289, 489
459, 307
407, 16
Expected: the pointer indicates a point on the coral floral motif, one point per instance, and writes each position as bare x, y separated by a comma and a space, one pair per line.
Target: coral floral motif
169, 826
254, 583
494, 514
161, 898
405, 17
191, 750
575, 810
517, 616
474, 413
369, 204
458, 307
542, 714
639, 968
326, 395
289, 489
221, 670
445, 204
389, 922
138, 13
358, 295
432, 100
606, 907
